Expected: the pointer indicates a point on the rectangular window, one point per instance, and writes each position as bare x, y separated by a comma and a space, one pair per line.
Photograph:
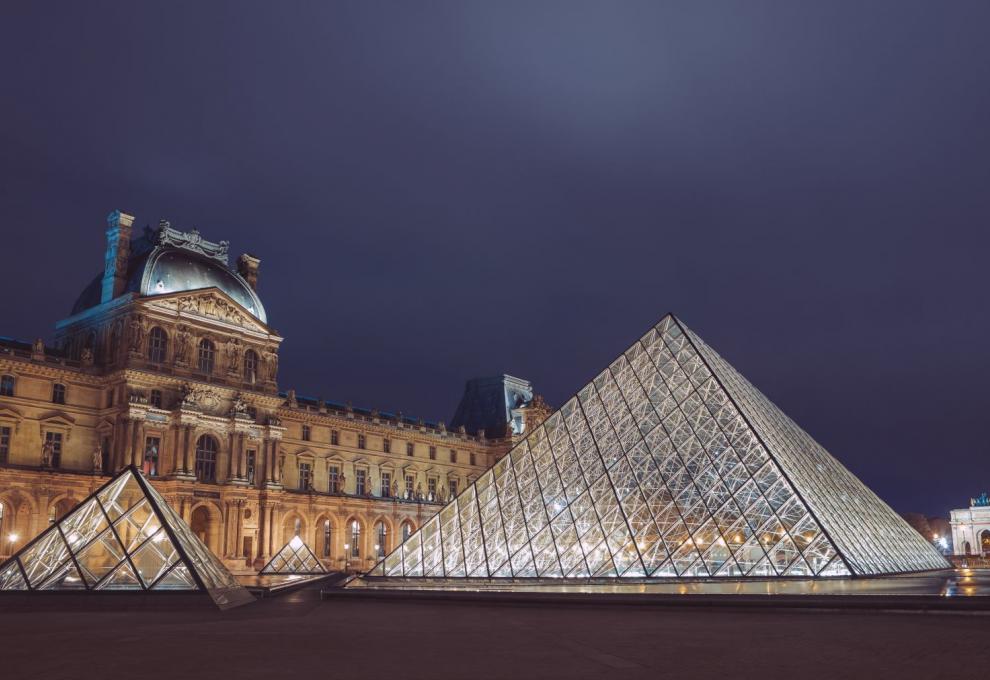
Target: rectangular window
334, 437
452, 485
386, 484
360, 477
453, 456
410, 448
431, 487
333, 473
58, 393
4, 444
251, 454
306, 433
53, 442
305, 476
473, 459
387, 445
6, 386
156, 398
362, 441
433, 453
151, 448
409, 486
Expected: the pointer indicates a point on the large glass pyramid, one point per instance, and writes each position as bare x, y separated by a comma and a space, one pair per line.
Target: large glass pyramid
669, 464
295, 557
122, 537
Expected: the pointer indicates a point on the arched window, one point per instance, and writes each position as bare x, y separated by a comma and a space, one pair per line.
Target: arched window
157, 345
326, 538
250, 366
206, 458
207, 355
381, 536
406, 530
355, 539
6, 386
297, 526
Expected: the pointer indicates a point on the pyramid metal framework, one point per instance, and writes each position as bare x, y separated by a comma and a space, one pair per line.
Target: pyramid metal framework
669, 464
295, 557
124, 536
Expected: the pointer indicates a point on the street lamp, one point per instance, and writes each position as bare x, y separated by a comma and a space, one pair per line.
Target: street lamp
347, 556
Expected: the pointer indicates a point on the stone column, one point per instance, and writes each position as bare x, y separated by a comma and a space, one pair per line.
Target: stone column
133, 453
121, 447
186, 436
277, 473
240, 456
239, 529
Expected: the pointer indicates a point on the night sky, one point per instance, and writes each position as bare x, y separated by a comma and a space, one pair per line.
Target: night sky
445, 190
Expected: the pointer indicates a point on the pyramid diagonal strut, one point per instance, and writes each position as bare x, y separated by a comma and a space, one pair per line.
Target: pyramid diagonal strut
124, 536
668, 464
295, 557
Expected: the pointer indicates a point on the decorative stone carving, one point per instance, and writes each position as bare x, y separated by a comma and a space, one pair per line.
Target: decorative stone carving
86, 355
183, 342
271, 363
47, 449
291, 399
98, 459
135, 334
191, 240
210, 304
38, 350
239, 407
234, 353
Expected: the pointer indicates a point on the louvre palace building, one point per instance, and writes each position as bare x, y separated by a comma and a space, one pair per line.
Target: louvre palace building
167, 362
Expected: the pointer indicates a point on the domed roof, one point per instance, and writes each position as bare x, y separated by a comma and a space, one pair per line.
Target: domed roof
171, 270
159, 267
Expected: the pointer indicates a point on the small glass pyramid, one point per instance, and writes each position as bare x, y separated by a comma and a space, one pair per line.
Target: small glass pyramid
295, 557
122, 537
669, 464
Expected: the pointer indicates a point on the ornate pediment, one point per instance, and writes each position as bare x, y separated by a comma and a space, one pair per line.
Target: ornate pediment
209, 303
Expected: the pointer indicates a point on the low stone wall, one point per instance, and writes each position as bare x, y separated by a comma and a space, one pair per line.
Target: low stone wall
970, 561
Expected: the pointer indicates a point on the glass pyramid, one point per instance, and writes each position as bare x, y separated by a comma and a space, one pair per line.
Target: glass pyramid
295, 557
122, 537
669, 464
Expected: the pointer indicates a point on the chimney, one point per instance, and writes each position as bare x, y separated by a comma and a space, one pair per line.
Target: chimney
247, 267
118, 252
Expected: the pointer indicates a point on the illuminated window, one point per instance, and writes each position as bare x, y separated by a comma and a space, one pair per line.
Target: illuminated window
410, 480
406, 530
206, 458
327, 538
6, 386
355, 539
250, 366
151, 446
381, 536
58, 393
157, 345
207, 356
431, 487
307, 433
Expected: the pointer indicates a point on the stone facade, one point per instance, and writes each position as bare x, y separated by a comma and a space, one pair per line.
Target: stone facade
181, 380
971, 528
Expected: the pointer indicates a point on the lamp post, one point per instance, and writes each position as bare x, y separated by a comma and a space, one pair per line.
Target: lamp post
347, 556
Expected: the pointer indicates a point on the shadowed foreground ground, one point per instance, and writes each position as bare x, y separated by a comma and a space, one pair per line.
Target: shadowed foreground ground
299, 633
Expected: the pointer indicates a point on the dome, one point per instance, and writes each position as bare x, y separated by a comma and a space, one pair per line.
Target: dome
155, 268
172, 270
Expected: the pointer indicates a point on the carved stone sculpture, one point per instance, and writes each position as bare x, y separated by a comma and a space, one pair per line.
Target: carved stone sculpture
46, 453
98, 459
